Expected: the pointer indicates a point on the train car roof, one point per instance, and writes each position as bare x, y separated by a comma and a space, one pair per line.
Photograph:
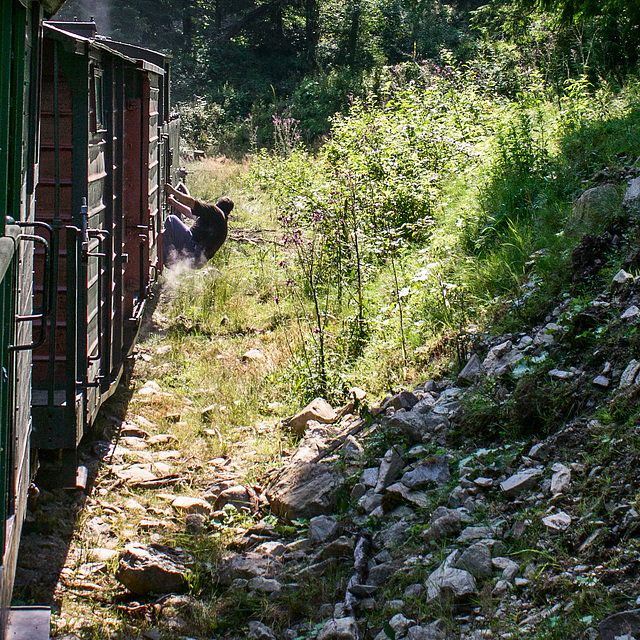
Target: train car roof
139, 53
86, 33
82, 28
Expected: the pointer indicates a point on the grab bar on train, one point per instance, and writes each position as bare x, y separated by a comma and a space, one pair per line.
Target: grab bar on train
101, 234
47, 288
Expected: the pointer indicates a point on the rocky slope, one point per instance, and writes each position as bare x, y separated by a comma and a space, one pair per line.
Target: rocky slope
498, 503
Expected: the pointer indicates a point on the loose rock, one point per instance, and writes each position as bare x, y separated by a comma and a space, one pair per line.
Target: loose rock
389, 468
304, 491
339, 629
448, 580
153, 567
322, 528
560, 521
445, 526
471, 372
318, 410
187, 504
259, 631
429, 472
247, 566
629, 374
476, 560
521, 482
561, 479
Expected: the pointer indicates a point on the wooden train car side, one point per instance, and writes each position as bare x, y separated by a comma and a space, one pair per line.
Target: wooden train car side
103, 164
150, 160
20, 56
86, 144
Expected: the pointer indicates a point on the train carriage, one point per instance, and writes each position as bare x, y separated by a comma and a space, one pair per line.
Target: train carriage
20, 55
86, 144
150, 160
104, 159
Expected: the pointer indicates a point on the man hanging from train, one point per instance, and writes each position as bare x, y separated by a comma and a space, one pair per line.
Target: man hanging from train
198, 243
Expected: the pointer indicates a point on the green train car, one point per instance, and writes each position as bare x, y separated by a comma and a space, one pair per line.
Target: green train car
108, 145
22, 316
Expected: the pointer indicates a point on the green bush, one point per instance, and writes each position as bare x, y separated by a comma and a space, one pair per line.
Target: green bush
434, 210
200, 123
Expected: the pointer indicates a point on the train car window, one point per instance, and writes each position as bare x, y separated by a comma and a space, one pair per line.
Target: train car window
96, 107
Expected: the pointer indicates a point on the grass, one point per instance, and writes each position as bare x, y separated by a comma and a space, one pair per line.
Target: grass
232, 351
217, 361
215, 319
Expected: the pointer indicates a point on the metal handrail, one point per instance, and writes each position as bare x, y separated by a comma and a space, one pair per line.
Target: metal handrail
47, 288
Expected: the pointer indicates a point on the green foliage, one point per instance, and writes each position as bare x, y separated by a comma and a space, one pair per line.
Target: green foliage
599, 128
308, 60
348, 214
435, 210
517, 178
394, 157
200, 123
321, 95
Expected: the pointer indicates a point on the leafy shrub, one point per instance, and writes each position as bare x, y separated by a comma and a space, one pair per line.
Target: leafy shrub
516, 186
200, 122
432, 211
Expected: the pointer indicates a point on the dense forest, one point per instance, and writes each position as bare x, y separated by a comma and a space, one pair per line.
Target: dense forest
239, 62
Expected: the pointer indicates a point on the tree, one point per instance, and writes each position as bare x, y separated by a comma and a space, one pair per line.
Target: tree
617, 23
312, 29
571, 10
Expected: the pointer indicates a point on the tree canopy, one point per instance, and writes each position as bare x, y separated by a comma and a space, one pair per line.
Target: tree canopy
242, 61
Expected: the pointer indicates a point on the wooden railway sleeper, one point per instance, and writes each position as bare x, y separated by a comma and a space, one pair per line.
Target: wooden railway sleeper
48, 284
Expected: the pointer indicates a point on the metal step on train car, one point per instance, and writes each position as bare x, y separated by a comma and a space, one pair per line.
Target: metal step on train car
107, 147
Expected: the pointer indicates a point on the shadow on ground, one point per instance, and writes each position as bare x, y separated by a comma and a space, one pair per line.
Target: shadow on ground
54, 515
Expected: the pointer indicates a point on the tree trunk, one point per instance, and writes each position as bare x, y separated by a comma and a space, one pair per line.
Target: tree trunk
187, 25
277, 22
312, 29
247, 19
218, 15
352, 47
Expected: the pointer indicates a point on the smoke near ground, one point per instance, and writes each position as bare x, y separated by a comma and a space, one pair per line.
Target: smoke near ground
177, 263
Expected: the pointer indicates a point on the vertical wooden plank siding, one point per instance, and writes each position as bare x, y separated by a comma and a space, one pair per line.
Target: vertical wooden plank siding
19, 64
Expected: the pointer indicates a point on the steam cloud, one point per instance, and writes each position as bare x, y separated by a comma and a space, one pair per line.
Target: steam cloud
100, 10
